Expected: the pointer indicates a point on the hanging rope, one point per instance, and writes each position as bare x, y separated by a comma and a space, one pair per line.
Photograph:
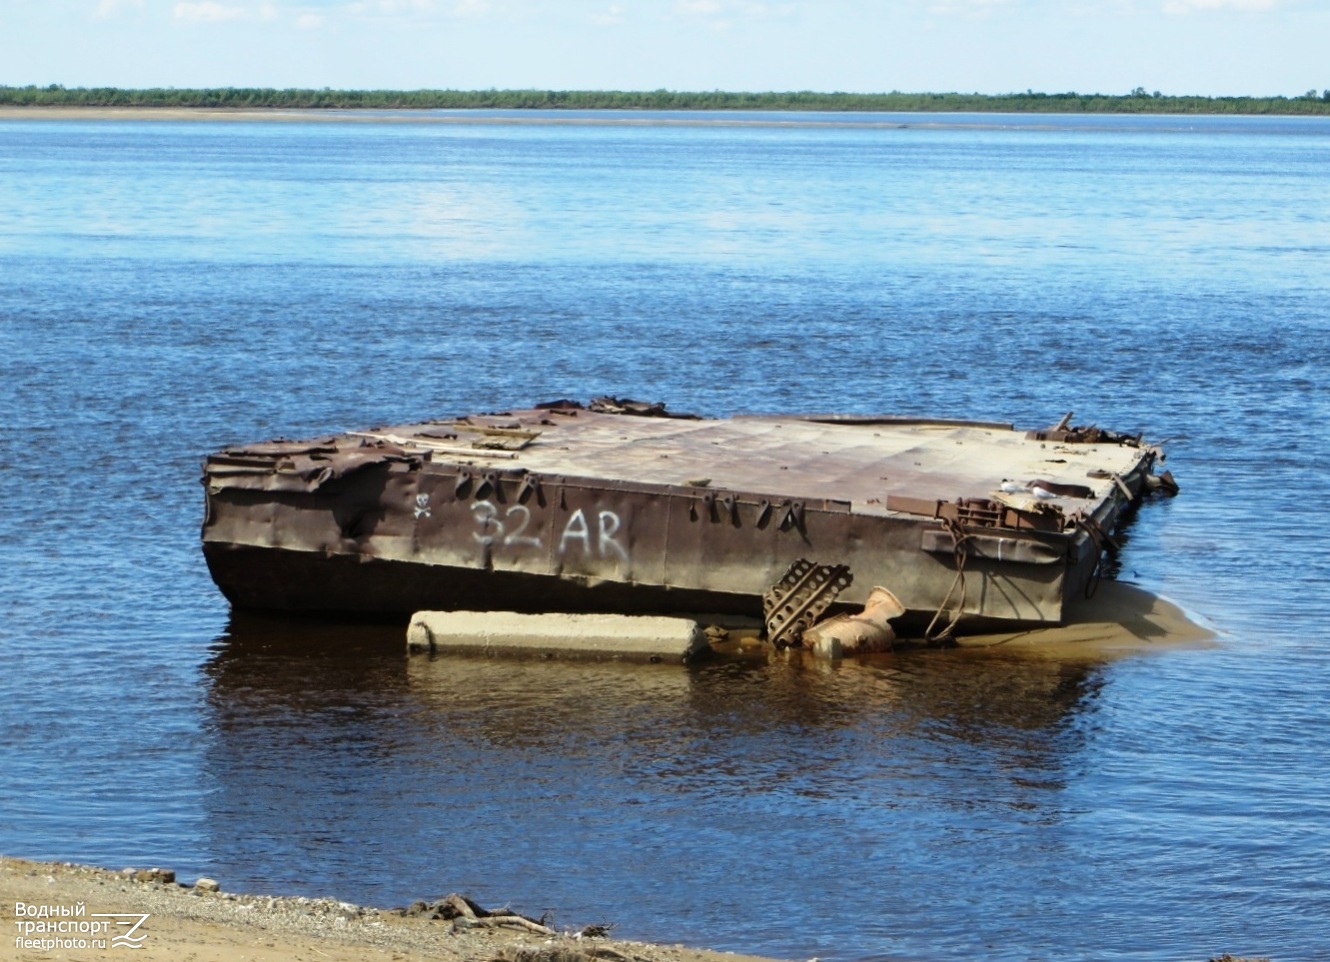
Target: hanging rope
961, 554
1104, 545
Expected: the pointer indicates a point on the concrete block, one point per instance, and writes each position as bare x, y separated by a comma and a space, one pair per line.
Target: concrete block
646, 638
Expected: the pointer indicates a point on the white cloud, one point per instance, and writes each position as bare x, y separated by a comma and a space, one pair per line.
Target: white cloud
725, 14
1203, 6
427, 9
391, 7
112, 8
612, 15
734, 9
211, 11
977, 8
208, 11
309, 21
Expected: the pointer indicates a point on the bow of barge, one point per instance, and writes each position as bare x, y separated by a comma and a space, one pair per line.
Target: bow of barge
619, 508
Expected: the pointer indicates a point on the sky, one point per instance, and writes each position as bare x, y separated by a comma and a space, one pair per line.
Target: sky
1205, 47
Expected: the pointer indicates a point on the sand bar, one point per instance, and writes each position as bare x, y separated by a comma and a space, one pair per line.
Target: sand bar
1118, 619
186, 923
227, 114
463, 115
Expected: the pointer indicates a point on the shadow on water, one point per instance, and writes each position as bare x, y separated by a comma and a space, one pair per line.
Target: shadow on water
275, 670
340, 764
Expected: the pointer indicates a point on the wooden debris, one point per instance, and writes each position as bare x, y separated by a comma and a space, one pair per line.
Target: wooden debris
564, 953
466, 914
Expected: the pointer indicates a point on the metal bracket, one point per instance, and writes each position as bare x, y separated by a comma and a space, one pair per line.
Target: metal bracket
489, 485
794, 604
792, 515
530, 487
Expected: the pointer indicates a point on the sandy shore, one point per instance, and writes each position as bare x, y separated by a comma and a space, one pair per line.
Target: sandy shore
1118, 619
187, 923
169, 922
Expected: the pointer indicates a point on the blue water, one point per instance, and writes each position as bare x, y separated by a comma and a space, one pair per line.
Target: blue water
167, 288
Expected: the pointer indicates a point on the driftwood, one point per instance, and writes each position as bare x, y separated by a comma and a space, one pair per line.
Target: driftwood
514, 920
564, 953
464, 913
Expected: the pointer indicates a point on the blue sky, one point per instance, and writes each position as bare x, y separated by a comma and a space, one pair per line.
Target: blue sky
1211, 47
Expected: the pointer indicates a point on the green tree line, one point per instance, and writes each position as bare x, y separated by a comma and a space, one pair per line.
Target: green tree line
1139, 101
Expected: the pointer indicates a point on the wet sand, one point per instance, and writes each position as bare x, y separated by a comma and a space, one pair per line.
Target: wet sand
186, 923
1118, 619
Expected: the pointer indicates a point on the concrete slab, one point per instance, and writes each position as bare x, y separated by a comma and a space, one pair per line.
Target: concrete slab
644, 638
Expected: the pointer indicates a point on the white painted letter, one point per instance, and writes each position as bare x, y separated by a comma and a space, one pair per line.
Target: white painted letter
609, 527
576, 529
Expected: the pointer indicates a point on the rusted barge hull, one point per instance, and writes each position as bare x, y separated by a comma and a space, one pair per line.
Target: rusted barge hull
602, 509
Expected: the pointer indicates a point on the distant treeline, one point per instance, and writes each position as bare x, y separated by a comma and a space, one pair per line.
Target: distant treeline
1139, 101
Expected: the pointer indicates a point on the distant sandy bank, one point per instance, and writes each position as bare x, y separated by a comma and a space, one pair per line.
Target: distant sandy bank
375, 115
220, 114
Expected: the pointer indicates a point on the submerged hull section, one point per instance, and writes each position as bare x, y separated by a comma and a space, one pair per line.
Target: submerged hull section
565, 508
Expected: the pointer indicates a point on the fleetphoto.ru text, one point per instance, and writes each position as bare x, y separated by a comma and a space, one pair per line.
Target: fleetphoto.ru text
46, 928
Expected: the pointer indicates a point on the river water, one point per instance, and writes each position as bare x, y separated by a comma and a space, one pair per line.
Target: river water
169, 287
